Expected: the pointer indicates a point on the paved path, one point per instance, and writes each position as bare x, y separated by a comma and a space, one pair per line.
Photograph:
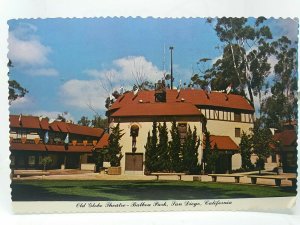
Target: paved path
73, 175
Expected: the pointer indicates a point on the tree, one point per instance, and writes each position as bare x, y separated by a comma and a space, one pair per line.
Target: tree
282, 104
84, 121
212, 159
99, 122
246, 50
15, 90
163, 158
151, 150
114, 148
190, 152
262, 143
246, 151
46, 161
175, 149
206, 150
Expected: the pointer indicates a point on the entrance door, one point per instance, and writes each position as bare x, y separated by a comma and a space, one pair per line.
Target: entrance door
134, 161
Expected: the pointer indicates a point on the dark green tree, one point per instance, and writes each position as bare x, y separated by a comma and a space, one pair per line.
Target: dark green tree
206, 150
151, 151
246, 151
175, 149
163, 158
114, 148
84, 121
262, 143
190, 152
212, 159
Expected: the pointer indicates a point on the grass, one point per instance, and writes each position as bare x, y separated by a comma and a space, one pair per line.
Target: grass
63, 190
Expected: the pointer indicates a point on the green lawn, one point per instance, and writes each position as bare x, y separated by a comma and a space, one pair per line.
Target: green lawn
138, 190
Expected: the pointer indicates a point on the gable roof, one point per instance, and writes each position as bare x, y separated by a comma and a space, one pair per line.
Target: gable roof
286, 137
24, 121
223, 143
103, 142
158, 109
194, 97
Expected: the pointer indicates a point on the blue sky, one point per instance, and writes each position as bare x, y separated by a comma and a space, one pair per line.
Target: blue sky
66, 63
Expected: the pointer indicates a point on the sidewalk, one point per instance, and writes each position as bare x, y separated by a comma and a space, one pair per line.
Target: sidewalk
86, 175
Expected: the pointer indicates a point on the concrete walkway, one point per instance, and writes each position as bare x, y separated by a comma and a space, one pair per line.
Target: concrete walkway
86, 175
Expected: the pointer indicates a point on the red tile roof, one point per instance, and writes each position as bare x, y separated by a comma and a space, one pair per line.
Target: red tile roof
157, 109
84, 130
103, 142
27, 147
26, 121
57, 126
223, 143
286, 137
195, 97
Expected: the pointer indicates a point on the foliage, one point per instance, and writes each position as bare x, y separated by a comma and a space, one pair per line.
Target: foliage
190, 152
150, 150
84, 121
282, 104
99, 122
212, 159
246, 51
46, 161
175, 149
99, 157
262, 143
162, 157
246, 151
114, 148
206, 150
15, 90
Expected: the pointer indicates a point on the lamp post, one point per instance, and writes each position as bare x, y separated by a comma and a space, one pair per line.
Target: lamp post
171, 50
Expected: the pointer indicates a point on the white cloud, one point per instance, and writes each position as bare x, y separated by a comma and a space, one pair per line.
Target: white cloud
289, 28
28, 53
43, 72
83, 94
25, 102
127, 68
52, 115
86, 93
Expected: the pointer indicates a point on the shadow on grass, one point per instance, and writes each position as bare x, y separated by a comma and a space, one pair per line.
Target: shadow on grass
138, 190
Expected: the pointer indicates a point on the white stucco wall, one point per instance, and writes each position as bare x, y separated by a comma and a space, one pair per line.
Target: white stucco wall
227, 128
144, 128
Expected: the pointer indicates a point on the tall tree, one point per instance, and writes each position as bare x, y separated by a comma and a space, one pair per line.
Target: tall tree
114, 148
151, 150
262, 143
246, 50
175, 149
282, 104
246, 151
190, 152
163, 158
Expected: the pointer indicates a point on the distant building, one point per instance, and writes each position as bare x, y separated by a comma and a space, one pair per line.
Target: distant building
224, 116
70, 146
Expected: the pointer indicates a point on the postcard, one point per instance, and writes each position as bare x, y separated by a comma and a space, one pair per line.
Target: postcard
136, 114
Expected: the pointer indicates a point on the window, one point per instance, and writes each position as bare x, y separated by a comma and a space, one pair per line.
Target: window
21, 133
237, 132
182, 128
237, 117
31, 160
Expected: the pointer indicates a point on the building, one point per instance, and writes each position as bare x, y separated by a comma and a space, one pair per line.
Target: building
224, 116
69, 146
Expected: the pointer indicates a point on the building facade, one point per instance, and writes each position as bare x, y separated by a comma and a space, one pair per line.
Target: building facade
68, 145
224, 116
